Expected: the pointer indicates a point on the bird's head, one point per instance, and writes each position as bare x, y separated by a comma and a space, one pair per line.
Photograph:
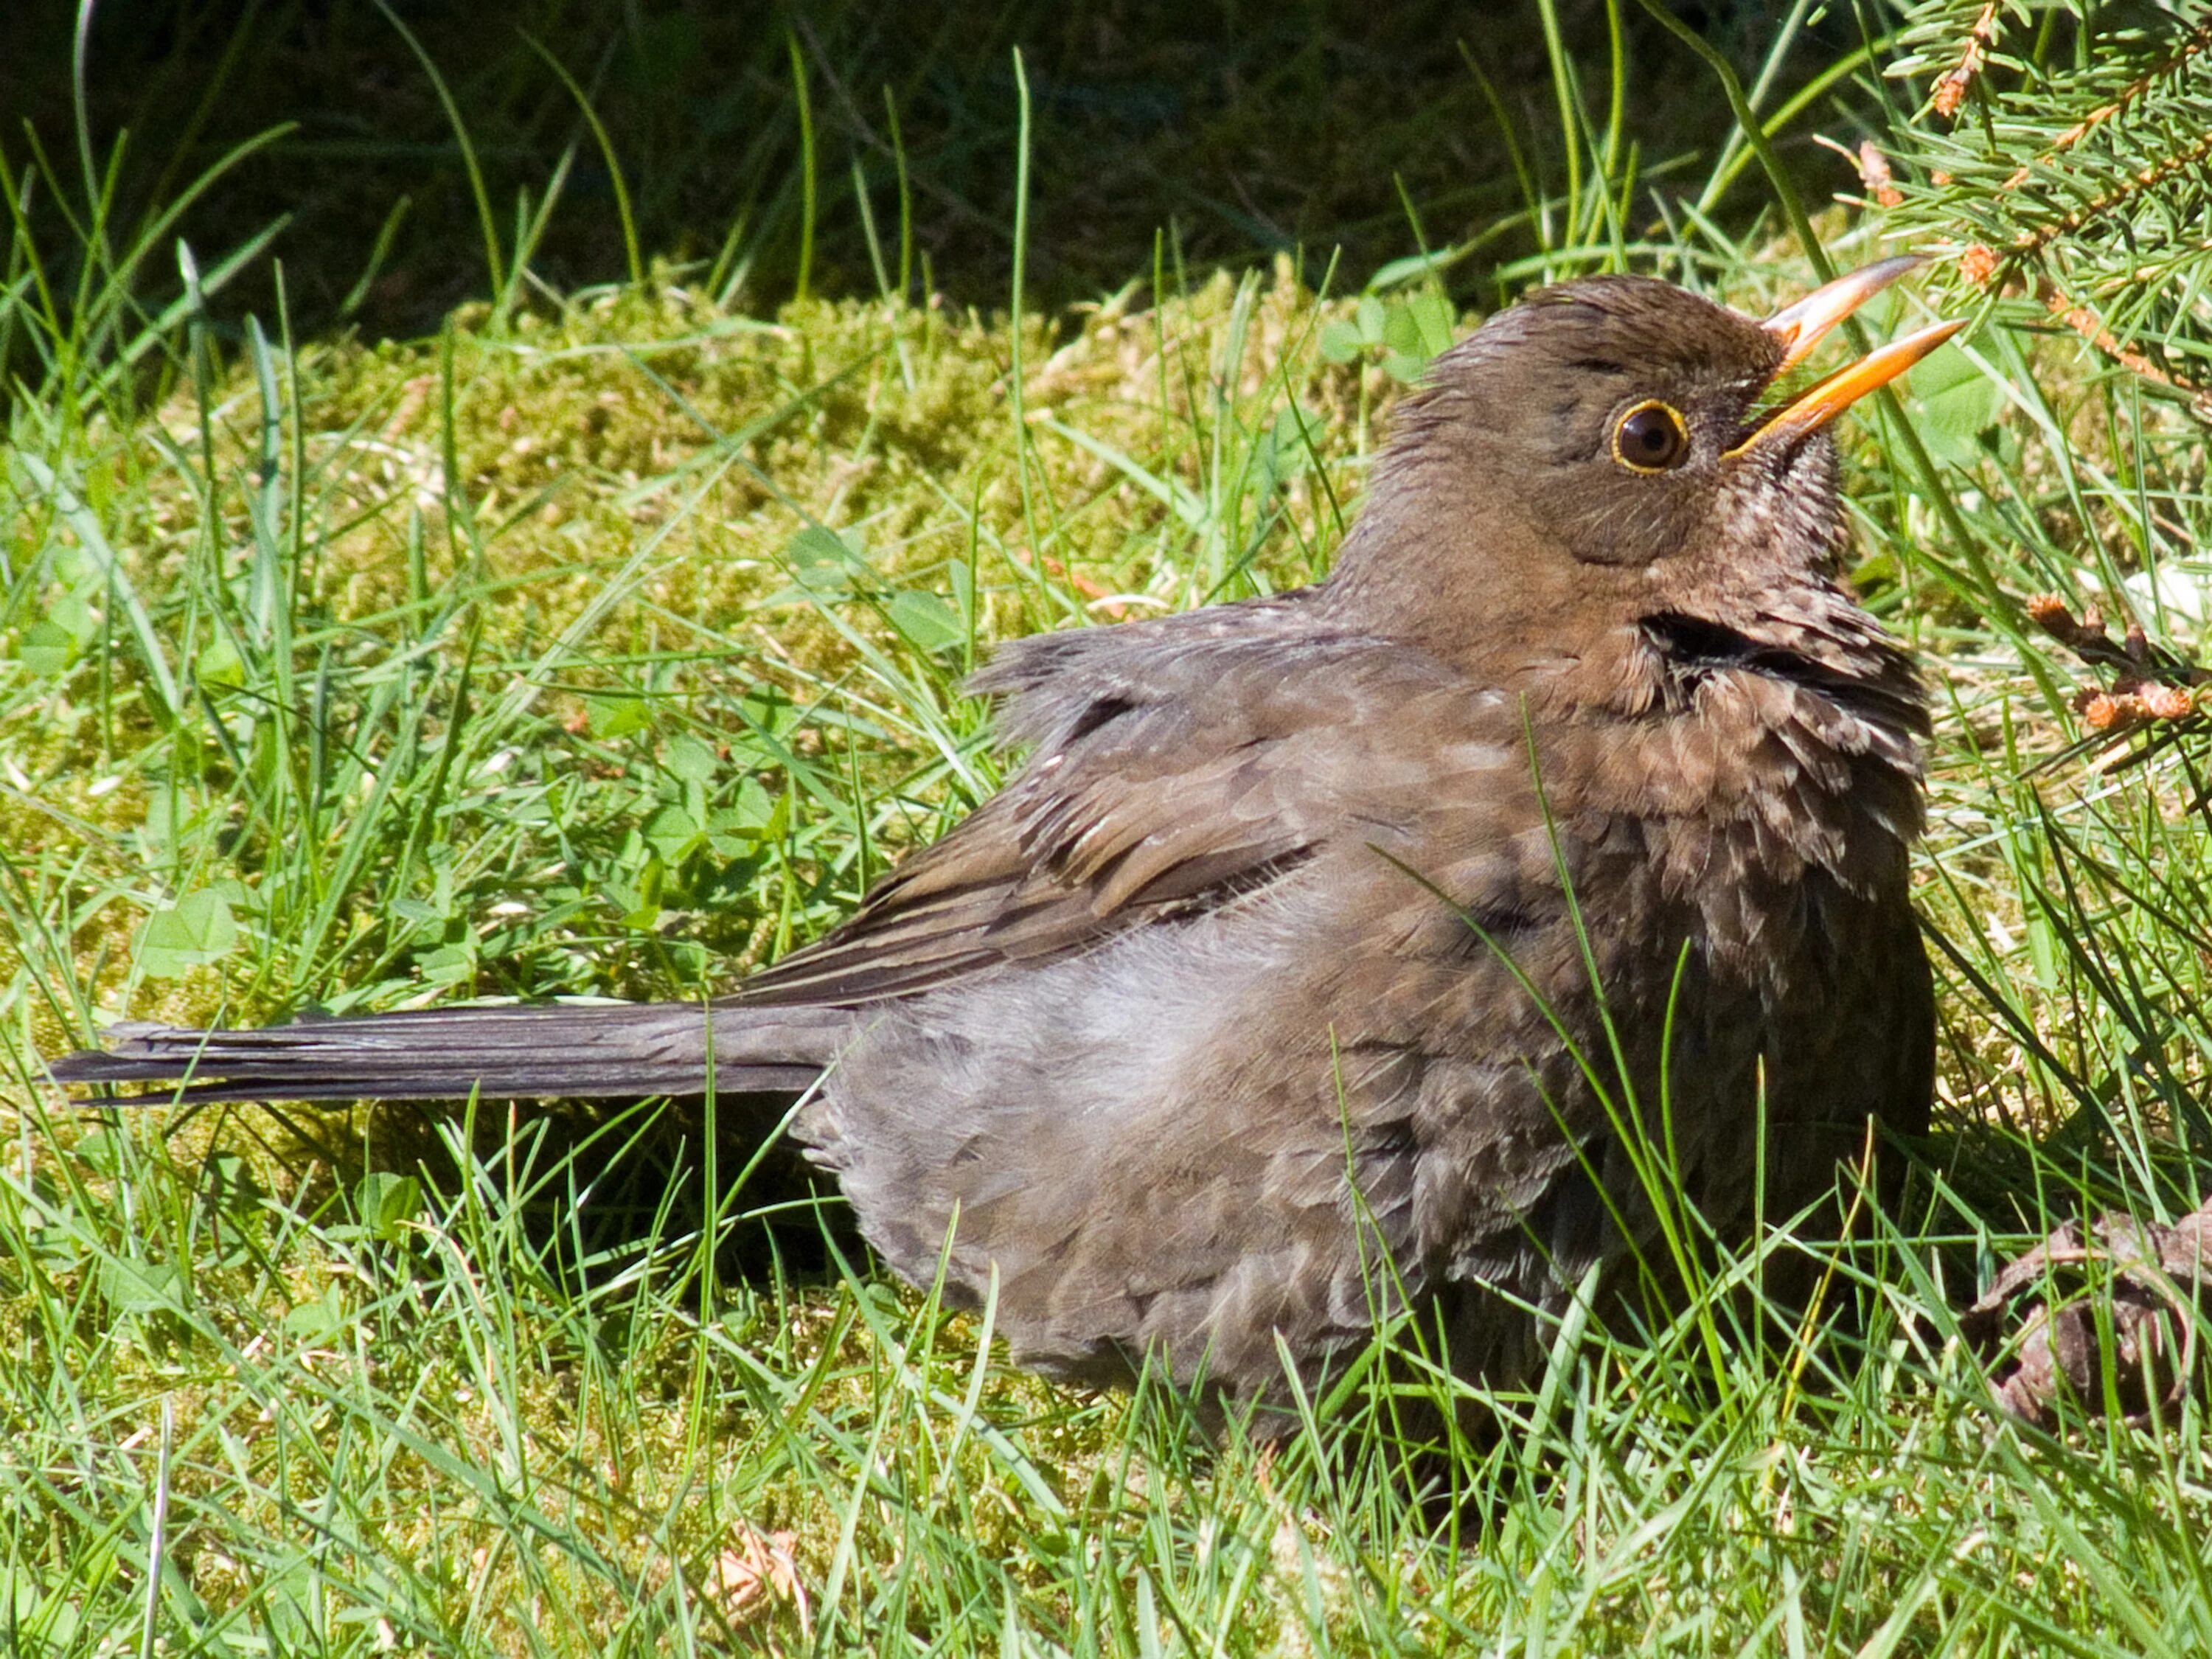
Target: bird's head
1610, 450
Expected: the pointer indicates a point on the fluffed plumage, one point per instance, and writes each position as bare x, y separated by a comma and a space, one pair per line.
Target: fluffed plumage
1351, 924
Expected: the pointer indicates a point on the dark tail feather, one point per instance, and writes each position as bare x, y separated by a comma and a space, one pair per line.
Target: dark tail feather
569, 1050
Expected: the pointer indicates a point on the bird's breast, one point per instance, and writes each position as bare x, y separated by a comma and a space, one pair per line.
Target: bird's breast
1762, 819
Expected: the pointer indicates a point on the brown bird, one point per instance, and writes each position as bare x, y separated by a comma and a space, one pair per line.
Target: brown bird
1357, 948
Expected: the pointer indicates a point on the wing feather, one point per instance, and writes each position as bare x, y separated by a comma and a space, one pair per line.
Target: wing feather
1180, 765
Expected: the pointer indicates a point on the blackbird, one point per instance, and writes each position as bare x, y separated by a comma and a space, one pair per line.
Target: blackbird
1388, 945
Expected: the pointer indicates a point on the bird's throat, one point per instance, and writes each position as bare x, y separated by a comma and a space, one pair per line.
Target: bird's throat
1694, 647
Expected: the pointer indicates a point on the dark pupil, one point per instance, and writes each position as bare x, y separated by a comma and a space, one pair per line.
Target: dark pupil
1651, 435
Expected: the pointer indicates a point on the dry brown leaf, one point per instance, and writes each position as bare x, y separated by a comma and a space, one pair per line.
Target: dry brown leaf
754, 1572
2042, 1327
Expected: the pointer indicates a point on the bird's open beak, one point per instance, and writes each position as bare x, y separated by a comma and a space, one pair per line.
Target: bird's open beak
1798, 328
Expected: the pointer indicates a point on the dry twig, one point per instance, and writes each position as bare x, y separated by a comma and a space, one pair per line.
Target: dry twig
2149, 684
1950, 90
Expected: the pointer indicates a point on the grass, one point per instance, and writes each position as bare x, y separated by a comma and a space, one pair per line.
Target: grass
610, 641
1238, 133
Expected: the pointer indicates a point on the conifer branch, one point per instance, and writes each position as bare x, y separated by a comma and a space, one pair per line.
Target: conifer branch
1950, 91
2196, 42
2083, 183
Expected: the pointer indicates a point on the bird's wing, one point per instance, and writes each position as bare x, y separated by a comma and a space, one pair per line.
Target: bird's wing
1177, 766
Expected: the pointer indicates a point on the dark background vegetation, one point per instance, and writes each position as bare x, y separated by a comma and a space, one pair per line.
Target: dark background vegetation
1206, 130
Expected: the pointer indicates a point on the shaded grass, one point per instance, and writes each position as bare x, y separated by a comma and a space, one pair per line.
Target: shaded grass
1240, 133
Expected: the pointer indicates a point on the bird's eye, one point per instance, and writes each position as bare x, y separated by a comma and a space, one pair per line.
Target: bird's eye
1651, 438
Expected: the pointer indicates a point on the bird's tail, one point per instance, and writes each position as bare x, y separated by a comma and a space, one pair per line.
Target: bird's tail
571, 1050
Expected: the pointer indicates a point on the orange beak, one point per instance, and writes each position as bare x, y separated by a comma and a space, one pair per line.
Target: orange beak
1798, 328
1802, 326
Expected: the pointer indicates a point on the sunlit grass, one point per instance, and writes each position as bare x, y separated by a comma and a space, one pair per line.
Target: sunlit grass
610, 643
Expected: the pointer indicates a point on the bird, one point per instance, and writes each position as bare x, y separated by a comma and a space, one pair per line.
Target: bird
1389, 948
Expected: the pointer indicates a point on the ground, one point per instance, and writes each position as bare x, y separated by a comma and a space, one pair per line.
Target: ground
610, 641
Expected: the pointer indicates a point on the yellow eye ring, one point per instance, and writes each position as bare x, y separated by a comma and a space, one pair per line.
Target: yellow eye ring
1651, 438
